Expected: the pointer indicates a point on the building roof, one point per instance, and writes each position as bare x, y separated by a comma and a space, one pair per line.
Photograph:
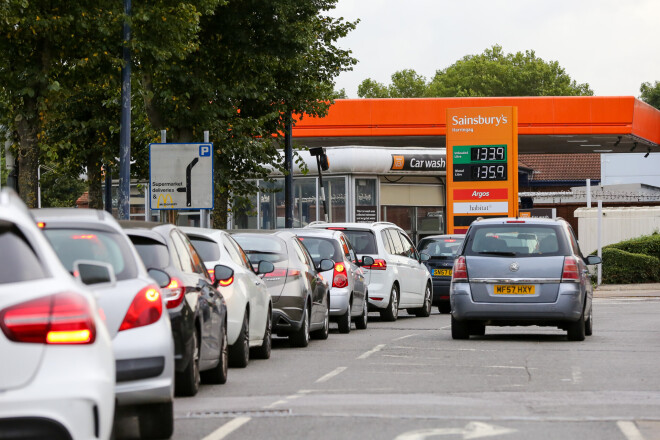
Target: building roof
557, 167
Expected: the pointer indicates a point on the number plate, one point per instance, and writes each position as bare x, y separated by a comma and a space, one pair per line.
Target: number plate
514, 289
441, 272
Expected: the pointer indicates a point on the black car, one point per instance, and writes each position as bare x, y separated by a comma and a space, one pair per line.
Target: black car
442, 249
301, 298
197, 310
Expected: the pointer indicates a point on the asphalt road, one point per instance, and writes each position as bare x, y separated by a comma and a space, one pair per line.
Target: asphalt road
409, 380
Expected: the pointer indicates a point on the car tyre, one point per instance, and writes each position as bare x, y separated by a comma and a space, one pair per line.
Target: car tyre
444, 307
425, 310
345, 321
325, 330
477, 328
589, 325
264, 351
186, 382
459, 329
156, 420
218, 374
391, 313
301, 337
576, 330
239, 353
361, 321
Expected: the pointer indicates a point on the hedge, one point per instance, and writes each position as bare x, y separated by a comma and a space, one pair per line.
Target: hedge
646, 245
621, 267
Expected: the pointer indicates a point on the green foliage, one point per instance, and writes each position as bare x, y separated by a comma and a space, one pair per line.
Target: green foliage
651, 93
647, 245
60, 190
492, 73
621, 267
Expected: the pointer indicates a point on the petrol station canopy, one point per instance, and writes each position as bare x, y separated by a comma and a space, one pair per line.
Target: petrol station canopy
548, 124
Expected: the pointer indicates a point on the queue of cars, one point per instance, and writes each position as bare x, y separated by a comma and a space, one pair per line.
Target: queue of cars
148, 310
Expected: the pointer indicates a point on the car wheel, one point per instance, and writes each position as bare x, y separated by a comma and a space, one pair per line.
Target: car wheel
301, 337
325, 331
186, 382
263, 352
459, 329
156, 420
589, 325
392, 310
444, 307
218, 374
361, 321
425, 310
239, 353
345, 321
576, 330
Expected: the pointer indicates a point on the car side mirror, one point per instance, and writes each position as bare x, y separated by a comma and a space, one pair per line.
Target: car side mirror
93, 272
366, 261
593, 259
326, 264
265, 267
160, 277
423, 256
223, 275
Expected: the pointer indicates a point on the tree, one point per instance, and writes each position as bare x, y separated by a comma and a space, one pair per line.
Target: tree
405, 84
651, 93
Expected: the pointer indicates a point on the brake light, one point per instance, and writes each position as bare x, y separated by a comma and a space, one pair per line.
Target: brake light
337, 229
378, 265
450, 240
515, 221
41, 225
211, 274
339, 277
227, 282
459, 272
145, 309
279, 273
570, 271
176, 293
63, 318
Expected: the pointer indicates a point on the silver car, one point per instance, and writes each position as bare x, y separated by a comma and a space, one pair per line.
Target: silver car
348, 284
135, 313
514, 271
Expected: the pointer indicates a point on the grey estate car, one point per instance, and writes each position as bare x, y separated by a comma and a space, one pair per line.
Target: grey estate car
515, 271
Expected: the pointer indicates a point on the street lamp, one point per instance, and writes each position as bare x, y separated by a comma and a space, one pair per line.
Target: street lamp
322, 164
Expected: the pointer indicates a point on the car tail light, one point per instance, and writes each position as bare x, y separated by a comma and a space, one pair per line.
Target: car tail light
211, 274
334, 228
41, 225
227, 282
378, 265
460, 270
515, 221
279, 273
339, 277
63, 318
146, 308
177, 292
570, 271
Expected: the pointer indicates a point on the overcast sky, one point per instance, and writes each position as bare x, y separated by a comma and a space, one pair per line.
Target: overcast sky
614, 46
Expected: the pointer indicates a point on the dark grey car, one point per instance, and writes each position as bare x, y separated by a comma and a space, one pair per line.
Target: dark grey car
513, 271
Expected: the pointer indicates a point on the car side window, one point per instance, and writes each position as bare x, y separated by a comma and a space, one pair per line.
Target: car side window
241, 253
387, 242
198, 263
396, 242
300, 253
408, 248
574, 242
185, 260
345, 249
351, 252
232, 251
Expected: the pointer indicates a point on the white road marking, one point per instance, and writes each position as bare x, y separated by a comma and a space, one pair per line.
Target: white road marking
577, 375
404, 337
287, 399
331, 374
472, 430
372, 351
629, 429
274, 404
227, 428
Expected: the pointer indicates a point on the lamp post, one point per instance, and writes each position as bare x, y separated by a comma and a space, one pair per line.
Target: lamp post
125, 124
322, 164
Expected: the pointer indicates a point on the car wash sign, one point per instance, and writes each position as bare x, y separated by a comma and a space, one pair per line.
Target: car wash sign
482, 165
181, 176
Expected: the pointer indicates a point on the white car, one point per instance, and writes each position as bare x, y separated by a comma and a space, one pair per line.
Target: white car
57, 373
398, 278
249, 305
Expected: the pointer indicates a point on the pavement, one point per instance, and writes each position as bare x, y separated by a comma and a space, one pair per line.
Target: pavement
648, 290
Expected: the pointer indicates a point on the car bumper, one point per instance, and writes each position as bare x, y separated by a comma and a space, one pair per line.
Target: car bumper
183, 326
440, 290
236, 305
567, 307
287, 314
339, 300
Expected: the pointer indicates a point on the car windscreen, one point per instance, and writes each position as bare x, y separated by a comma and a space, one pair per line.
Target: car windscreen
153, 253
363, 241
263, 248
207, 249
88, 244
515, 239
21, 262
441, 247
322, 248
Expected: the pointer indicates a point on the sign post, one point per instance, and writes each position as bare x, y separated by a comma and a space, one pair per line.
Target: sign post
482, 165
181, 176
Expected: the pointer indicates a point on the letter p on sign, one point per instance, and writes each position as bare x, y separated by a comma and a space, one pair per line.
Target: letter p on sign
204, 150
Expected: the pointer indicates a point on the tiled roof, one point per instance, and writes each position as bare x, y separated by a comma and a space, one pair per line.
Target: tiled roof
563, 166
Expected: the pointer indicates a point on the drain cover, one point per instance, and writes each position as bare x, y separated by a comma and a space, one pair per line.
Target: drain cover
249, 413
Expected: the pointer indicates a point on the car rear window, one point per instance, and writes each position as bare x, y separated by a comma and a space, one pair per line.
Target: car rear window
516, 240
89, 244
207, 249
441, 247
322, 248
263, 248
363, 241
24, 265
153, 253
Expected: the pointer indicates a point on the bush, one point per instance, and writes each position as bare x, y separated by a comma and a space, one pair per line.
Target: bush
621, 267
646, 245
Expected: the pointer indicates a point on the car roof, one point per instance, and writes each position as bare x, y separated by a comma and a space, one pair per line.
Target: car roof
333, 233
351, 225
76, 217
206, 232
147, 233
436, 237
281, 233
519, 220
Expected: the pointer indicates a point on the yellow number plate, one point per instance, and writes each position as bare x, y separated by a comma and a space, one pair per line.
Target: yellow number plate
515, 289
441, 272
